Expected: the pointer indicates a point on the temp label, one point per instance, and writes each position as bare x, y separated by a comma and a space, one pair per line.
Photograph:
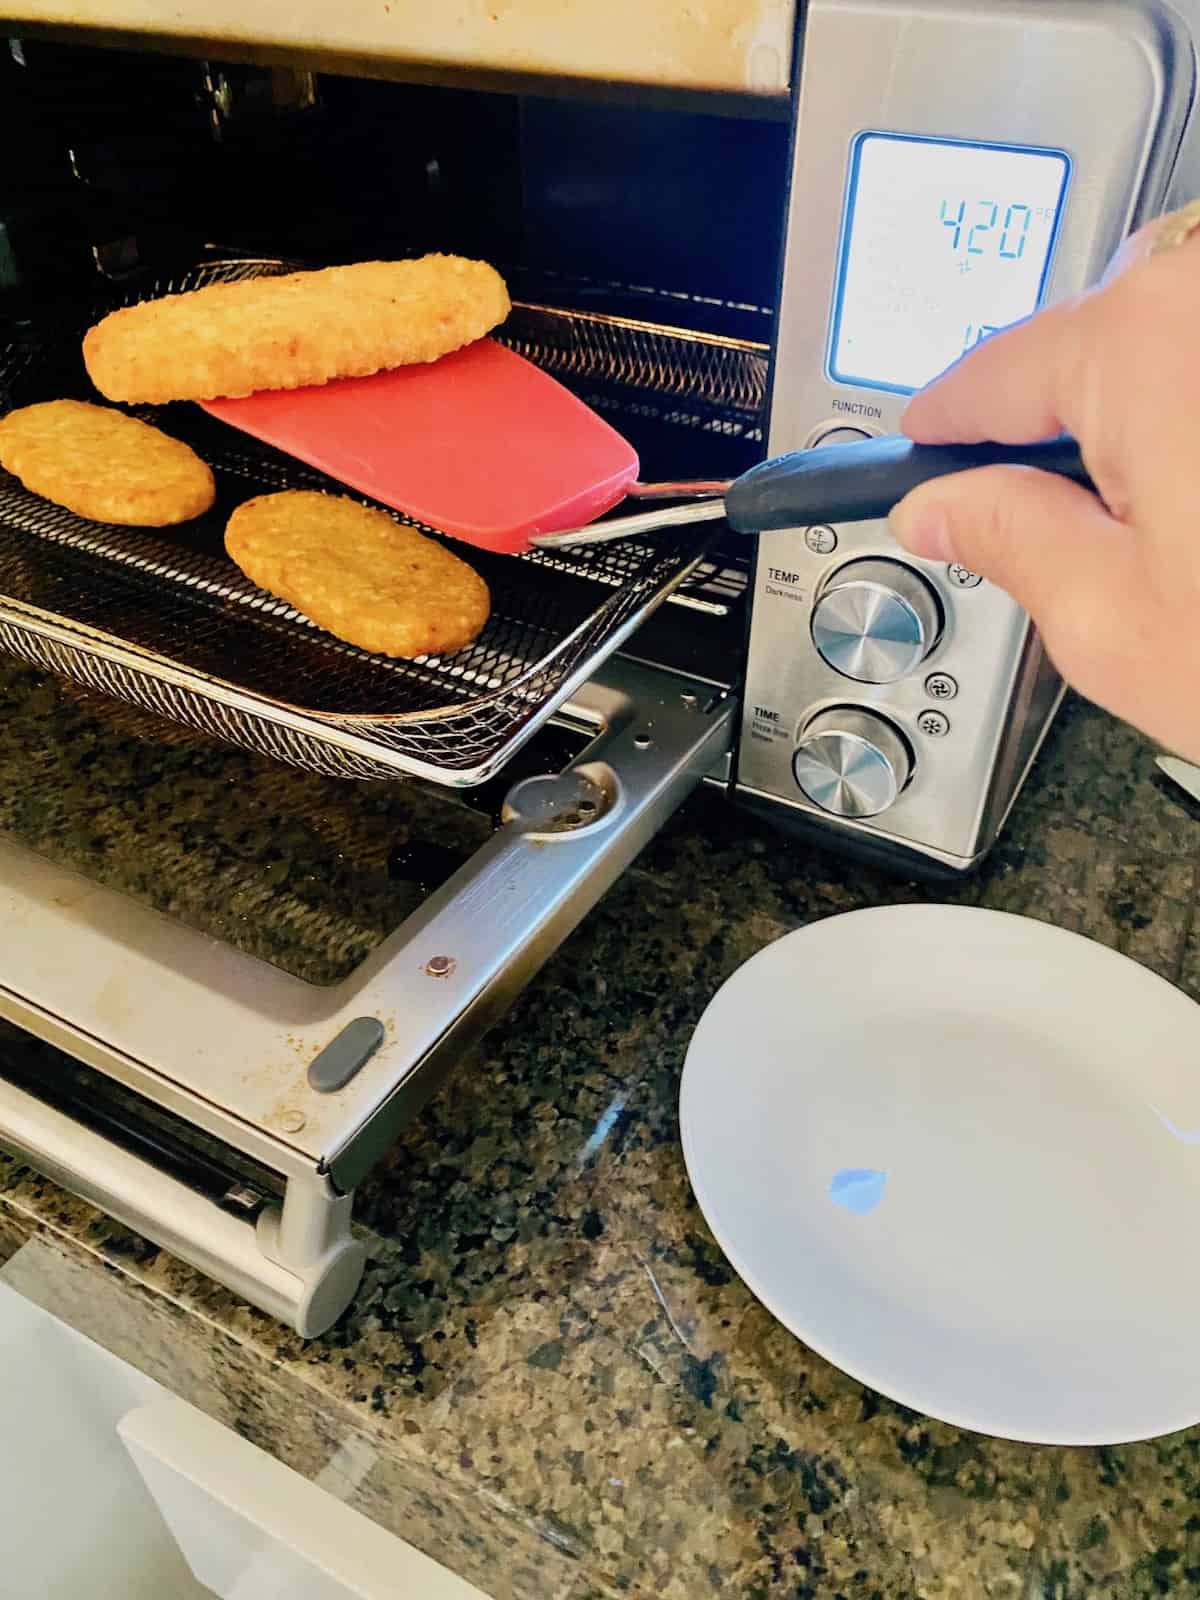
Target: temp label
782, 584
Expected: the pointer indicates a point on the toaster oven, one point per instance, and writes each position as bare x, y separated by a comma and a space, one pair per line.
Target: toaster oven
731, 247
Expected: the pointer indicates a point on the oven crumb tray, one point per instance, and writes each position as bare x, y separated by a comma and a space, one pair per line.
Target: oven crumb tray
165, 620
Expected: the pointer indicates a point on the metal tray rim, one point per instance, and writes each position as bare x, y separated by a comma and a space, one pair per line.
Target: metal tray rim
91, 642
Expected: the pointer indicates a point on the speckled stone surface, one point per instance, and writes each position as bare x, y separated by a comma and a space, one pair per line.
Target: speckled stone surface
551, 1379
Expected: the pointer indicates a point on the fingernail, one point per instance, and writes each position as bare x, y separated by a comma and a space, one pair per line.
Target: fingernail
924, 530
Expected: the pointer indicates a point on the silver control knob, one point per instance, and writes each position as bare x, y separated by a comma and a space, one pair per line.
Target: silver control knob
876, 621
851, 763
842, 436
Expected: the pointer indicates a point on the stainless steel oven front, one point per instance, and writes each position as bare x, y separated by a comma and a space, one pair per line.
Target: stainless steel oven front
732, 278
955, 166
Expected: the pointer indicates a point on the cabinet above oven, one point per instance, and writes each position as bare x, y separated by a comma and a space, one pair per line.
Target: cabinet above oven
740, 47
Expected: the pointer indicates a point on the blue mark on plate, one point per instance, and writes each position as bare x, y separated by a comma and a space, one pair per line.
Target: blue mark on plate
857, 1189
1184, 1135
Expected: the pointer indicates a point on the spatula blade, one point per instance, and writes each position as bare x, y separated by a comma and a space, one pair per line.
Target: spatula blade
481, 445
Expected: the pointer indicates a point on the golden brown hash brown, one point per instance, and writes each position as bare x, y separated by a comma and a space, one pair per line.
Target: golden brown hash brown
353, 570
104, 465
232, 339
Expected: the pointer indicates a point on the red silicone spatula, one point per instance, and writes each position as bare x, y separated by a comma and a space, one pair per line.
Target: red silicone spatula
488, 448
482, 444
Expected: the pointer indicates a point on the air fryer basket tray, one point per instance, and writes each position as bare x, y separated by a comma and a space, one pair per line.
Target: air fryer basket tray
166, 621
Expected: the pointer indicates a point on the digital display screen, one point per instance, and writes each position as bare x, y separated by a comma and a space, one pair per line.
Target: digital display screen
943, 243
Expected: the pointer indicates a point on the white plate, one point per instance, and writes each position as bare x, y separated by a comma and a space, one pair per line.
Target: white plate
958, 1154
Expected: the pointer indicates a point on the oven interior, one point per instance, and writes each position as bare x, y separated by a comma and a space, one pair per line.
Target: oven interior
136, 169
641, 248
134, 163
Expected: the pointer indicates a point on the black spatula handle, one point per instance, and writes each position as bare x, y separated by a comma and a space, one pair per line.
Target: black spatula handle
860, 482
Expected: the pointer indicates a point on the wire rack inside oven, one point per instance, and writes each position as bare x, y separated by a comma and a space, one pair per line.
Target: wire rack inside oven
167, 621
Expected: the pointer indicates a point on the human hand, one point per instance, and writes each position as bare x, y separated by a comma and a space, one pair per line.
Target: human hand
1112, 583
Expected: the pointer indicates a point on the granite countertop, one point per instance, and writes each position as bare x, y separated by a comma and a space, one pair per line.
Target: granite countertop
551, 1380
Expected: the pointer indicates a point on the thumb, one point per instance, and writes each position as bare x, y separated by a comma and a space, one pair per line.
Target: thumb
1048, 542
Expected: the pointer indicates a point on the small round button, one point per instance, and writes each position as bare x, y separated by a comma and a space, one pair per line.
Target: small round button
842, 436
934, 724
821, 541
941, 686
962, 577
